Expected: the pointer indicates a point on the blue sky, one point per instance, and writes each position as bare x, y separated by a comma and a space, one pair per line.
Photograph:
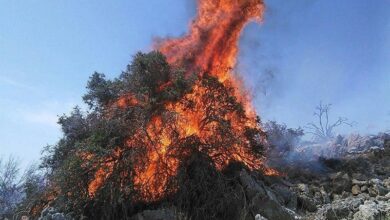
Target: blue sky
305, 51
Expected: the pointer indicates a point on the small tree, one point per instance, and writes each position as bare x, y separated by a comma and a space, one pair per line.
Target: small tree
323, 129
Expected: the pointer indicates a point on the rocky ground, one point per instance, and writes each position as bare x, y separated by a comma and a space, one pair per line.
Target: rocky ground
353, 183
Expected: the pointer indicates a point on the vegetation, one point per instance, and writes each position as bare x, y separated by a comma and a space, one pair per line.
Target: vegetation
90, 171
18, 191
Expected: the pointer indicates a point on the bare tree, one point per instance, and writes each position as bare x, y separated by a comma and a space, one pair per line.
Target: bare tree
323, 129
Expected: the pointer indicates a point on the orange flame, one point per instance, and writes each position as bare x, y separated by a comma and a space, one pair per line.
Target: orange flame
212, 43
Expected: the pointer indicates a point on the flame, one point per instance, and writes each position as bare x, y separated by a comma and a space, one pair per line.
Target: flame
212, 43
209, 49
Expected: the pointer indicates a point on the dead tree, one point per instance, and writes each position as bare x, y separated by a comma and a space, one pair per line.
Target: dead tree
323, 129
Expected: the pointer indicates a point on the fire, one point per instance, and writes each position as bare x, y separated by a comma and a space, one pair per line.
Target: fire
216, 117
212, 43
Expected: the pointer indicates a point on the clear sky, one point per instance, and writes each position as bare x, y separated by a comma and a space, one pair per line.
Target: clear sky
305, 51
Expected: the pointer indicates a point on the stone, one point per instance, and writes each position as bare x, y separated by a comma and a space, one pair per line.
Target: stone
387, 195
359, 182
251, 186
259, 217
374, 181
364, 188
372, 211
262, 199
355, 190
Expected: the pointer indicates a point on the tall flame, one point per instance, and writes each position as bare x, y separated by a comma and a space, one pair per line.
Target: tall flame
212, 43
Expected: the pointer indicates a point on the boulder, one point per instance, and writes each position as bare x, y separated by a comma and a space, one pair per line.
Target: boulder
262, 200
251, 186
355, 190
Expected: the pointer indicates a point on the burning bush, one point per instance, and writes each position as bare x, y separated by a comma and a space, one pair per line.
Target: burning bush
166, 128
134, 144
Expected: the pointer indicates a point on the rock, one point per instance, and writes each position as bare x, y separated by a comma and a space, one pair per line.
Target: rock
259, 217
355, 190
262, 200
364, 188
388, 196
359, 182
374, 181
372, 211
252, 188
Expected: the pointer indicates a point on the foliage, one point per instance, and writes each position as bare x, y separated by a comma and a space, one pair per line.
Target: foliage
91, 169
